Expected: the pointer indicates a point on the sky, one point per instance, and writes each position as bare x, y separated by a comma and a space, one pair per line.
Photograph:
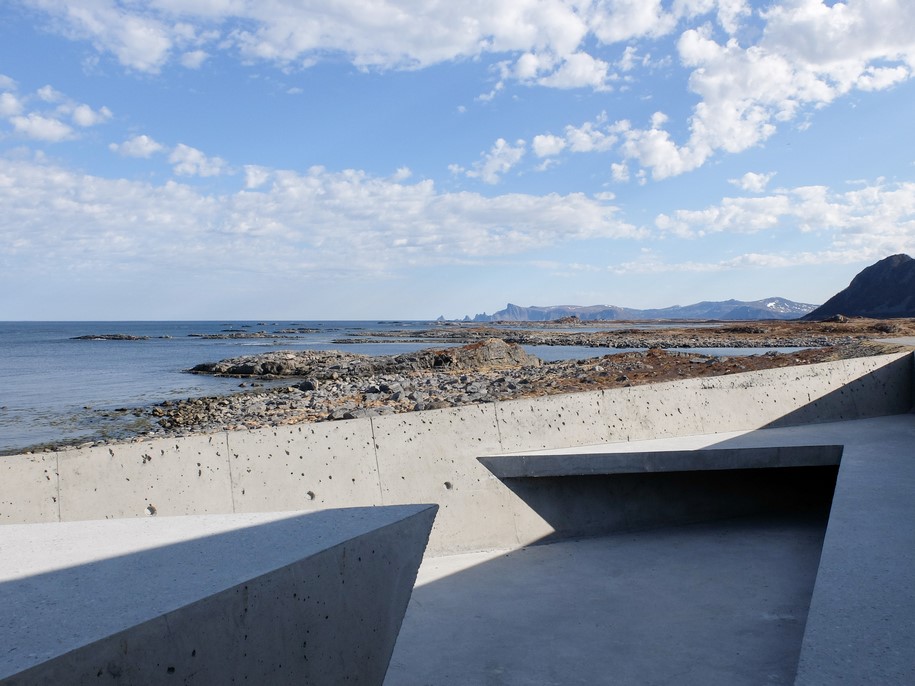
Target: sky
405, 159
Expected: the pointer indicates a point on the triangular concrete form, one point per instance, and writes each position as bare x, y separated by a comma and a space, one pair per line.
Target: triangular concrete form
298, 598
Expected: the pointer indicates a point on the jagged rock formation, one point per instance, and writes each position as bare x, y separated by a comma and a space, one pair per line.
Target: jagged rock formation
727, 310
882, 291
492, 353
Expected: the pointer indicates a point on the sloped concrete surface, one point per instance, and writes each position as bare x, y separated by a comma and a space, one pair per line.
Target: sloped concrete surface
263, 599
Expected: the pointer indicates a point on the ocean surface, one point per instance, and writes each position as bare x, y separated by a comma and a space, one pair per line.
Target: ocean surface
54, 388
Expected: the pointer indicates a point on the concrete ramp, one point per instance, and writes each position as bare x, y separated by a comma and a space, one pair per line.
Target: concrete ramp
287, 598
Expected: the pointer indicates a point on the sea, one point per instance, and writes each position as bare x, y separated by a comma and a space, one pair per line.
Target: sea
56, 387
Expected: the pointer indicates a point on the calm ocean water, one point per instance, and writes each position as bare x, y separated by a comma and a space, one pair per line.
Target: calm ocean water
54, 388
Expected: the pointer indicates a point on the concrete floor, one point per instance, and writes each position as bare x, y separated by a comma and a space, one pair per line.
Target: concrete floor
721, 603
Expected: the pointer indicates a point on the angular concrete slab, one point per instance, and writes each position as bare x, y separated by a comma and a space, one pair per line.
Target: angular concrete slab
312, 598
583, 464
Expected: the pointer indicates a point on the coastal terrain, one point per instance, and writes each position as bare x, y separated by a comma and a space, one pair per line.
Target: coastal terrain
468, 363
455, 363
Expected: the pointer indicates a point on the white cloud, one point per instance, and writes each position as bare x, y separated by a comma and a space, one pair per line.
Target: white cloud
41, 128
753, 182
135, 37
10, 105
751, 260
656, 150
620, 20
809, 54
620, 172
49, 94
873, 221
7, 83
52, 218
85, 116
548, 36
547, 144
589, 137
629, 59
578, 70
194, 59
498, 161
137, 146
47, 122
190, 161
256, 176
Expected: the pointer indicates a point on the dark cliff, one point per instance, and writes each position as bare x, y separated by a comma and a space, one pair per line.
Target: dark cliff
882, 291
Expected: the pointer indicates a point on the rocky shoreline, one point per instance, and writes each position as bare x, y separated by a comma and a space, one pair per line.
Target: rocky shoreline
352, 386
289, 387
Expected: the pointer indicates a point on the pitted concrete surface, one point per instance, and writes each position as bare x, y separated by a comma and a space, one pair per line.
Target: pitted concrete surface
721, 603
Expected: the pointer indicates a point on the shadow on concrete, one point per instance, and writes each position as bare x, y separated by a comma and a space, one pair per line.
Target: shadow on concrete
320, 594
884, 391
668, 577
695, 605
581, 506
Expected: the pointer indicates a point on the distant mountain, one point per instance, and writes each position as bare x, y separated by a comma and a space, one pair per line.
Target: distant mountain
883, 290
768, 308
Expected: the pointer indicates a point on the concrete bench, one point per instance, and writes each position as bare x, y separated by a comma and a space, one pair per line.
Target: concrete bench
285, 598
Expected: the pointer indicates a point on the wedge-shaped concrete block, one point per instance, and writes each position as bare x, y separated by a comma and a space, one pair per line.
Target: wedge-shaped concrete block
28, 488
175, 476
313, 598
304, 467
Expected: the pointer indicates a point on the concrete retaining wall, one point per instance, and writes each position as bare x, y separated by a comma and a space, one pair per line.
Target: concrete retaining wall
430, 456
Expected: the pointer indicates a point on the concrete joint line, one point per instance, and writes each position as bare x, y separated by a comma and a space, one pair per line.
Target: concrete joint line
57, 482
497, 413
377, 465
231, 475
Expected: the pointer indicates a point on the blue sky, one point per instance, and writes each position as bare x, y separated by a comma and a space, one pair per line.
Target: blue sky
296, 159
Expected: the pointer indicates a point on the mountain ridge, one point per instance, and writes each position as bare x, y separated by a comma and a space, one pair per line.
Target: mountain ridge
726, 310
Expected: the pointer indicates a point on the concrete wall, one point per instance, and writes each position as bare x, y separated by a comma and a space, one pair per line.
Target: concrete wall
430, 456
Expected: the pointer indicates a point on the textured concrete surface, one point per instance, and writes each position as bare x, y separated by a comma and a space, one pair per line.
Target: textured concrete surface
187, 475
28, 489
304, 467
703, 605
264, 598
551, 421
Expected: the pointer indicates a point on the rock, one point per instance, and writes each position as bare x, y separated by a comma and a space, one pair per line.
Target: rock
109, 337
